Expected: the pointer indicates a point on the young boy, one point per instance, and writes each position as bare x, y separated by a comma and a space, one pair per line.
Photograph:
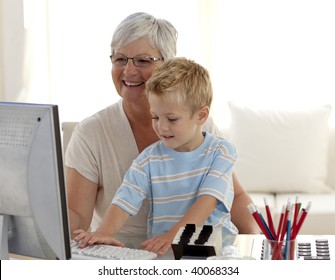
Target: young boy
187, 175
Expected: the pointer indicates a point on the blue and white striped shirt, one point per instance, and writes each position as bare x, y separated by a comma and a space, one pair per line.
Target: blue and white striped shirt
172, 181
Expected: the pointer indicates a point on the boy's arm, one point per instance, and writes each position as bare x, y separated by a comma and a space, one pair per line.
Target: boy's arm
115, 217
197, 215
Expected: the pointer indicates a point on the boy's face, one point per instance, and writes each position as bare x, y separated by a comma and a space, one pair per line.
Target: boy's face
175, 125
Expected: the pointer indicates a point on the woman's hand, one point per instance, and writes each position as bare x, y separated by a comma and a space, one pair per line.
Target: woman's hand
159, 244
90, 238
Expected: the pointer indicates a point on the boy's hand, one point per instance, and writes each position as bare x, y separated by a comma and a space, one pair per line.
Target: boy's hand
90, 238
159, 244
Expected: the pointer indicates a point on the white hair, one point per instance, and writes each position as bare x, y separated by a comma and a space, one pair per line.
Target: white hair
160, 33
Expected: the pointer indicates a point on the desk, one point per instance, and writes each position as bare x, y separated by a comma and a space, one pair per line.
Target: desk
243, 242
248, 245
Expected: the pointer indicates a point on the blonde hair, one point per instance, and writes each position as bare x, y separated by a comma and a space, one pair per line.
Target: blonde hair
187, 82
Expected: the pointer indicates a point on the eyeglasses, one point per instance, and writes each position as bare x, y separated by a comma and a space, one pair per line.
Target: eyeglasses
139, 61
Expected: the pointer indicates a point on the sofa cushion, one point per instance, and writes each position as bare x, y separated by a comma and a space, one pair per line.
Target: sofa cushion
281, 150
321, 215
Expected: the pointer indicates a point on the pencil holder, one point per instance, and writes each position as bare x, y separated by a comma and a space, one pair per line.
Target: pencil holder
279, 250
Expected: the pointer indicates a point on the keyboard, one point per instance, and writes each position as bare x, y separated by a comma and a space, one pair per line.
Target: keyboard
109, 252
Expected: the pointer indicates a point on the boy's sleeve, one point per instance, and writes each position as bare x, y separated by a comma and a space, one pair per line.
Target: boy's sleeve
218, 182
133, 190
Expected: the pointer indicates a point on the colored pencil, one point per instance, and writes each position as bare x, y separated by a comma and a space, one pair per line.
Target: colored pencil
302, 219
269, 217
255, 214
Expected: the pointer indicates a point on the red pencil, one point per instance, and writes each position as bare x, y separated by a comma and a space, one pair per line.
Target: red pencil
277, 250
284, 226
302, 219
280, 224
295, 219
270, 220
254, 213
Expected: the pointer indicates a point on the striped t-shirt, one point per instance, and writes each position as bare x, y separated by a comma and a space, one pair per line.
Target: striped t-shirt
172, 181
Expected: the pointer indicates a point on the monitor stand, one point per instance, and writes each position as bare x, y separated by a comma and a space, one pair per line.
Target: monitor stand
4, 237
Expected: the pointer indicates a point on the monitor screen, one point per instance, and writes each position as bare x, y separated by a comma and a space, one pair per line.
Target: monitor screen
33, 205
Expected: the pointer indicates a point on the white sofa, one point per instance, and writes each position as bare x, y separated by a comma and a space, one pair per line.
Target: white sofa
282, 154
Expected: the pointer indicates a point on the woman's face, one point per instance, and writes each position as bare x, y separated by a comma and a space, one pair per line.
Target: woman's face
129, 80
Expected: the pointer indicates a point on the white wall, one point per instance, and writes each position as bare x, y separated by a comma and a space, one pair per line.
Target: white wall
1, 54
259, 52
277, 53
11, 49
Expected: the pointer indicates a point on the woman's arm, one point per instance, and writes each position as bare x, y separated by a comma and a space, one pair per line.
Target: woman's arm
240, 215
81, 195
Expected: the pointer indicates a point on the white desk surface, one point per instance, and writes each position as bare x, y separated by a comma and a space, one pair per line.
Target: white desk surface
249, 245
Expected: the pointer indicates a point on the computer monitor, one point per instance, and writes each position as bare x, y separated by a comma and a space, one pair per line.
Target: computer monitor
33, 205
